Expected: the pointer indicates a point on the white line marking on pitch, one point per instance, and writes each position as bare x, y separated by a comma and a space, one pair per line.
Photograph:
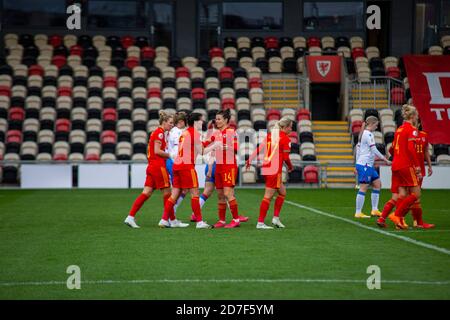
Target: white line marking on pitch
386, 233
145, 281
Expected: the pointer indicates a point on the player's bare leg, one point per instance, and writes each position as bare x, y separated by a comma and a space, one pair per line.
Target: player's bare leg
144, 196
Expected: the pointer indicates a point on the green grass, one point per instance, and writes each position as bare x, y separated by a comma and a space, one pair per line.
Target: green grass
43, 232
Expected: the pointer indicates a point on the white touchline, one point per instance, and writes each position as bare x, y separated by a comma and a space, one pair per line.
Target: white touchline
144, 281
358, 224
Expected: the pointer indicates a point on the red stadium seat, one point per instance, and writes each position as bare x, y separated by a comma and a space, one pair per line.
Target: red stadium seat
109, 114
60, 157
294, 137
311, 174
64, 92
226, 73
62, 125
76, 50
303, 114
16, 114
148, 53
154, 93
14, 136
314, 42
271, 43
398, 95
358, 52
228, 103
198, 94
92, 157
132, 62
127, 41
232, 125
36, 70
273, 115
215, 52
108, 137
182, 72
356, 126
393, 72
254, 83
110, 82
59, 61
5, 91
55, 41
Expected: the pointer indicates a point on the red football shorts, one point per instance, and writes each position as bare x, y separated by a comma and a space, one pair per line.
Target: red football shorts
157, 177
273, 181
405, 177
226, 177
185, 179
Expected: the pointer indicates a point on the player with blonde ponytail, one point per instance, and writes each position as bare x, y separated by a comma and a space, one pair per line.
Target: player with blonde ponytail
276, 149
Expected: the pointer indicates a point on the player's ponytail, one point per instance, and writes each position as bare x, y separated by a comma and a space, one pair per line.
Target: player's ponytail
164, 116
408, 112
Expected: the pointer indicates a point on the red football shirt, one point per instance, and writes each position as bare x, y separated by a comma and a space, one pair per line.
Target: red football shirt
404, 147
277, 152
153, 159
187, 152
226, 158
421, 148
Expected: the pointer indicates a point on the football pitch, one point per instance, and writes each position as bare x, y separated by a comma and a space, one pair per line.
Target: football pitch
323, 253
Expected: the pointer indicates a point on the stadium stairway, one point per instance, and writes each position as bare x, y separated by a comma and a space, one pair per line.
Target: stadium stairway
282, 91
333, 146
369, 94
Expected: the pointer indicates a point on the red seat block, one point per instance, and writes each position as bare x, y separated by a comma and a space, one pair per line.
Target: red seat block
254, 83
294, 137
16, 114
271, 43
356, 126
148, 53
55, 41
228, 104
215, 52
314, 42
36, 70
311, 174
108, 136
154, 93
59, 61
273, 115
127, 41
62, 125
64, 92
358, 52
92, 157
132, 62
76, 50
5, 91
303, 114
198, 94
109, 114
14, 136
110, 82
398, 95
182, 72
393, 72
226, 73
60, 157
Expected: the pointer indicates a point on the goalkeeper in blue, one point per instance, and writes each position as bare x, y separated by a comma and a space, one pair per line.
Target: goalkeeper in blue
366, 151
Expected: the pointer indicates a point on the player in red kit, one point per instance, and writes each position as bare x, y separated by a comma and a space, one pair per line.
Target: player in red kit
184, 174
157, 175
406, 171
422, 155
226, 170
277, 148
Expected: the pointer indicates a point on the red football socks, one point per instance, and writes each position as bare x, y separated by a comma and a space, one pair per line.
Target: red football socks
403, 207
195, 204
234, 209
263, 208
222, 210
168, 208
388, 208
138, 204
416, 211
278, 204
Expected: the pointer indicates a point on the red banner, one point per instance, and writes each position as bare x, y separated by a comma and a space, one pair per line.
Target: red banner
429, 82
324, 68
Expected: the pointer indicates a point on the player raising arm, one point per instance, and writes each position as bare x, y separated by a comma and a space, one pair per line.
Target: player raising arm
157, 175
367, 175
277, 148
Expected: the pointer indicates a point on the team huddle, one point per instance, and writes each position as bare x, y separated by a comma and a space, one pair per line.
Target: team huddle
410, 152
172, 152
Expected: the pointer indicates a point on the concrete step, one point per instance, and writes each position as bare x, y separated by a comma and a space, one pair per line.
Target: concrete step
331, 134
326, 122
335, 157
332, 139
334, 145
340, 186
340, 169
342, 180
333, 151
